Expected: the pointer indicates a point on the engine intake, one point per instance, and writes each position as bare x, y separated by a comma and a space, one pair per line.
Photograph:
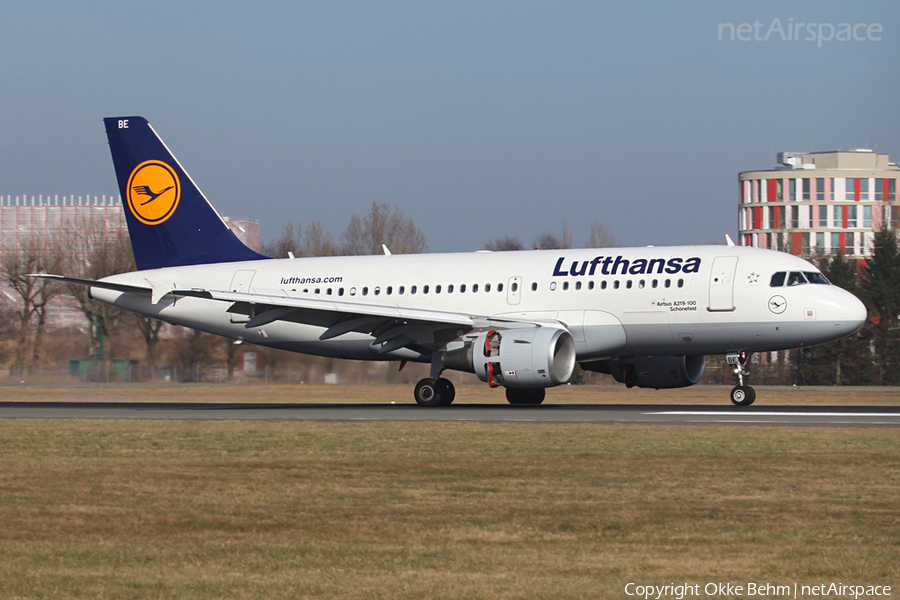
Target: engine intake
658, 372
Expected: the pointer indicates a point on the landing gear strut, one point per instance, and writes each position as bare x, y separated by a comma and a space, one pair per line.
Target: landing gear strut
741, 395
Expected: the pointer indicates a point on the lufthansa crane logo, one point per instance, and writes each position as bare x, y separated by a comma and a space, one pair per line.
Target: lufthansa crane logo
153, 192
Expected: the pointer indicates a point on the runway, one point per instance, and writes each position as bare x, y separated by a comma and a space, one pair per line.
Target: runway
879, 416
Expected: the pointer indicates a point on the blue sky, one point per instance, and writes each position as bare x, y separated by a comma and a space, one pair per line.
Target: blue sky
477, 119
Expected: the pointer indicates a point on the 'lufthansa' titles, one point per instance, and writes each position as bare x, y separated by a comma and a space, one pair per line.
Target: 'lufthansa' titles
618, 265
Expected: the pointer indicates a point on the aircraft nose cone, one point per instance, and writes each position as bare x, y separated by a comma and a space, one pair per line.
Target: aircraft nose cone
856, 312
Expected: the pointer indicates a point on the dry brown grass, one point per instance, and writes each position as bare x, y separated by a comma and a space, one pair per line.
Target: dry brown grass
467, 394
432, 510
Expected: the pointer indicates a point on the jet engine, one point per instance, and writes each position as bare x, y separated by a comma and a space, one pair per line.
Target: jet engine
534, 357
652, 371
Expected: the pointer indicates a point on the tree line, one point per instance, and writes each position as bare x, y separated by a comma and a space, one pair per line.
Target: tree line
871, 356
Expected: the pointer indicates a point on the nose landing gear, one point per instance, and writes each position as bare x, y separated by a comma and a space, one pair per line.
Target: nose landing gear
741, 395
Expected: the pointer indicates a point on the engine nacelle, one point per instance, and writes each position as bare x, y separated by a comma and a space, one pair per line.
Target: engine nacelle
534, 357
652, 371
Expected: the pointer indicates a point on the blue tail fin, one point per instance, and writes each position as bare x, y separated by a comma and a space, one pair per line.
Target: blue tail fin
170, 221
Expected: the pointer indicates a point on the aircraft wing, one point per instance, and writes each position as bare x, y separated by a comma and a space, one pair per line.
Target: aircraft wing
393, 326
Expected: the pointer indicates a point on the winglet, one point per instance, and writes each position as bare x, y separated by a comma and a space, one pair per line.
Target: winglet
386, 251
729, 240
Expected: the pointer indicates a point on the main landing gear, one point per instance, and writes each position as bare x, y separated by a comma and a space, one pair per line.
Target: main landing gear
742, 395
435, 392
525, 395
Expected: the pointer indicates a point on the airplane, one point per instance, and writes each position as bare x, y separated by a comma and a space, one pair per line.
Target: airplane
518, 320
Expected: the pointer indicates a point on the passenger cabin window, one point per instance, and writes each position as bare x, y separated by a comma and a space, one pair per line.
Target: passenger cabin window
777, 279
534, 286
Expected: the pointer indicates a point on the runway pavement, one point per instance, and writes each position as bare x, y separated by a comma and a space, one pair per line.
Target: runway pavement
593, 413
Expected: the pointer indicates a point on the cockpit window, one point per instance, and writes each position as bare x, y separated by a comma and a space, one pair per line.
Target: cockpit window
796, 278
777, 279
816, 278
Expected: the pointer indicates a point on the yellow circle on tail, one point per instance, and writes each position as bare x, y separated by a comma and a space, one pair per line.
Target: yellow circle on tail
153, 192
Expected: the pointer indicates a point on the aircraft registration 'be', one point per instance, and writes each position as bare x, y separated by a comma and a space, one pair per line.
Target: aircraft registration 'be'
518, 320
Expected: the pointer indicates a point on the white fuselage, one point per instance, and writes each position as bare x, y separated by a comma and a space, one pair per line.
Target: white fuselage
682, 300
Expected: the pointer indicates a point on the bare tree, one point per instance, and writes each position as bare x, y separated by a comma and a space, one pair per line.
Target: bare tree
149, 329
554, 241
96, 255
601, 237
505, 243
36, 255
384, 224
313, 241
288, 241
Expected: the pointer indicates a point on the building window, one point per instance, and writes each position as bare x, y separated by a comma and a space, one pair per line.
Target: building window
792, 190
837, 218
892, 190
835, 242
823, 216
864, 190
820, 242
805, 189
850, 243
831, 188
820, 189
804, 243
795, 216
850, 189
779, 190
771, 215
879, 190
851, 217
867, 217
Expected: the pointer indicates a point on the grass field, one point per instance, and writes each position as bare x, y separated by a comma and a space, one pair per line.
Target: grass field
150, 509
403, 394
